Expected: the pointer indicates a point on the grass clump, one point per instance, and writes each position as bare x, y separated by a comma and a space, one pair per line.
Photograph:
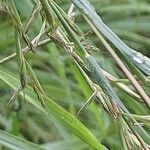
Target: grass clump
60, 59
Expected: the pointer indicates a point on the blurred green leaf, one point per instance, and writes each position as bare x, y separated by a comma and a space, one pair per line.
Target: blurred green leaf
56, 111
15, 143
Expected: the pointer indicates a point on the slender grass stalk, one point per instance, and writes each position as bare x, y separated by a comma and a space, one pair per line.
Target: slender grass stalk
102, 80
49, 13
141, 61
25, 50
111, 98
143, 144
122, 66
32, 18
21, 61
14, 13
34, 78
72, 25
36, 42
82, 49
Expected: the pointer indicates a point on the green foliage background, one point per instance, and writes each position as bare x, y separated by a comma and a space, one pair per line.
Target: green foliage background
63, 82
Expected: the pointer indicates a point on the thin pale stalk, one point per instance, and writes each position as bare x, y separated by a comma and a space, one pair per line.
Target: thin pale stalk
141, 61
134, 82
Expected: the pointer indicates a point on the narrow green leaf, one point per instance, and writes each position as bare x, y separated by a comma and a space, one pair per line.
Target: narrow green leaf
14, 12
49, 13
65, 145
60, 114
65, 24
34, 78
16, 143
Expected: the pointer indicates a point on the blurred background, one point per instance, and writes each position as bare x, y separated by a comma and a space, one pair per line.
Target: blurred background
61, 80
